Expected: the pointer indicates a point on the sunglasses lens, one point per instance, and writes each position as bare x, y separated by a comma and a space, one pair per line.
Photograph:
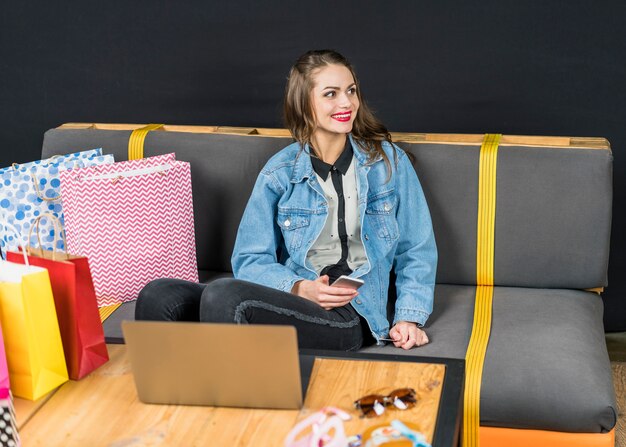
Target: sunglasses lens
403, 398
371, 405
399, 404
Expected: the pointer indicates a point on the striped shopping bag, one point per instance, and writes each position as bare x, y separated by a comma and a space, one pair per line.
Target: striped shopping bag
134, 221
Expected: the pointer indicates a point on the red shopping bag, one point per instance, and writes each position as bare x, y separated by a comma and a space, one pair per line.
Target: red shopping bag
76, 306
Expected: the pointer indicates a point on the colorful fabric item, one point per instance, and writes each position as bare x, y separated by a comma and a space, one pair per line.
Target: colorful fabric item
134, 221
30, 189
324, 427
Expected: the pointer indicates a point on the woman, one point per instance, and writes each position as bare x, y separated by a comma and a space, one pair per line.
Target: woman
341, 200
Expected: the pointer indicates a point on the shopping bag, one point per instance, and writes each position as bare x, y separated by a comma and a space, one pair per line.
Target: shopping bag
133, 220
29, 189
4, 371
75, 302
31, 332
8, 424
8, 430
55, 159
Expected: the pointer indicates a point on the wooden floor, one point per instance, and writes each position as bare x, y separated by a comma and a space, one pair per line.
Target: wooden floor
619, 379
616, 344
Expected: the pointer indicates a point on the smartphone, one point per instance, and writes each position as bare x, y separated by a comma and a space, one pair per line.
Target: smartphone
348, 282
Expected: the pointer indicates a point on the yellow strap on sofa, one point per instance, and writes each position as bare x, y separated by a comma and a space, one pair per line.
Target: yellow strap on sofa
106, 311
137, 138
481, 329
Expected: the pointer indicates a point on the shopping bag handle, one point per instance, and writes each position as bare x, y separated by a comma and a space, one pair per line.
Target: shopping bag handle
38, 191
17, 166
5, 224
36, 183
58, 232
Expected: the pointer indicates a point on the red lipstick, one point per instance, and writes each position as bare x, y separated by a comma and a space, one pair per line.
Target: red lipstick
342, 116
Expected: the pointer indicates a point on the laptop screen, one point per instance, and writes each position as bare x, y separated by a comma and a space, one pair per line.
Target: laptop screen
185, 363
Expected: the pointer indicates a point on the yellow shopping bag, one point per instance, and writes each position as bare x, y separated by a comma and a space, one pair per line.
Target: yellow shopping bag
31, 331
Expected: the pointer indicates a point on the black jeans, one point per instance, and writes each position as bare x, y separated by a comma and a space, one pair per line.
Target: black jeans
230, 300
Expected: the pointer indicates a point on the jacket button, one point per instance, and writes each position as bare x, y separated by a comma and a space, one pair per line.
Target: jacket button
387, 207
287, 222
359, 302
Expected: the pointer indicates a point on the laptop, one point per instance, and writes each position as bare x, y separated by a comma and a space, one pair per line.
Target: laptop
215, 364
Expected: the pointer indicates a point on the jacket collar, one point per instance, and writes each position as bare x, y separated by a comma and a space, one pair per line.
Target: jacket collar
303, 168
342, 163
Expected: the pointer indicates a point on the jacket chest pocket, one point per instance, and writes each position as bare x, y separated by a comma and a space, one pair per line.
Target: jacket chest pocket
381, 213
294, 226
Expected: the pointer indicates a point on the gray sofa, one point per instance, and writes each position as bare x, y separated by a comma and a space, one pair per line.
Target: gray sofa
546, 366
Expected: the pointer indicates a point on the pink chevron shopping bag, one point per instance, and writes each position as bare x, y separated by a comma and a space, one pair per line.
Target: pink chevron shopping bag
134, 221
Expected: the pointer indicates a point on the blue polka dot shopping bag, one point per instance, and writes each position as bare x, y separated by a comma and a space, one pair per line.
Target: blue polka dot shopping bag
30, 189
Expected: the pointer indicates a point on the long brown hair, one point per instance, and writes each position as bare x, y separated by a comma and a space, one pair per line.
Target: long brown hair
299, 117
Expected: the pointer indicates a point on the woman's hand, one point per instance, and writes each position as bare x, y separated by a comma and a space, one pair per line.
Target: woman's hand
321, 293
406, 335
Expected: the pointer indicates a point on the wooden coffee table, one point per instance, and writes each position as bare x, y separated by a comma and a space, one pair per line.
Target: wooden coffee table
103, 410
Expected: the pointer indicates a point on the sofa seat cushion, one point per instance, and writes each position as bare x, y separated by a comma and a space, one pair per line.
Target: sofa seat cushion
546, 365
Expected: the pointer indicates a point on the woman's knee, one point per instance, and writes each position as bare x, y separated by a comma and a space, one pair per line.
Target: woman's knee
219, 289
169, 300
220, 299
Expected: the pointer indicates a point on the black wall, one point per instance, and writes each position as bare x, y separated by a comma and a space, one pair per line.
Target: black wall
517, 67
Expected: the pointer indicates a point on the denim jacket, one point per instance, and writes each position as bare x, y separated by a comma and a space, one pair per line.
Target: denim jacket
286, 213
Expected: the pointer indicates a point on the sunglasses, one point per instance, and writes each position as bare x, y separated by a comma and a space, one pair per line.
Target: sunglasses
374, 405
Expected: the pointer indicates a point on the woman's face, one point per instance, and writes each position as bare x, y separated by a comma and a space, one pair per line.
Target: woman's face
334, 99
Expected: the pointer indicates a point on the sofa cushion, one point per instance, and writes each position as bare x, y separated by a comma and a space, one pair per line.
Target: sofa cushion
546, 365
113, 324
553, 213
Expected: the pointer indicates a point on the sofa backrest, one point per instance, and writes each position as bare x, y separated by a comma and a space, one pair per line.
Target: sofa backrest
553, 213
553, 210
